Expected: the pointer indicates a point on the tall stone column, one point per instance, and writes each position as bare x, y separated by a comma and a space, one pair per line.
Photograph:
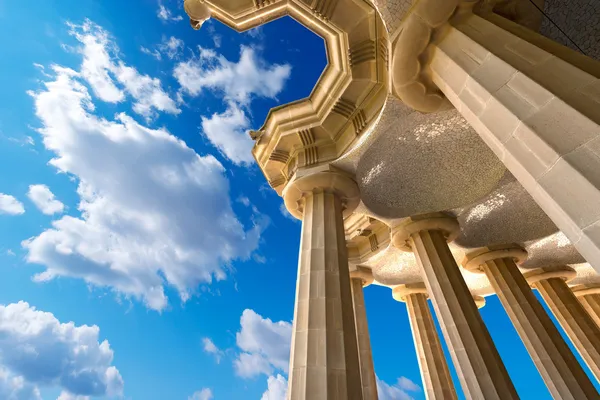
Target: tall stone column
535, 104
478, 365
557, 365
570, 313
435, 374
360, 278
324, 353
589, 297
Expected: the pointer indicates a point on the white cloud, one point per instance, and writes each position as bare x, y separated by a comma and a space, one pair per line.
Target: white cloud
398, 391
166, 15
11, 253
70, 396
172, 47
265, 345
239, 81
101, 63
154, 212
37, 349
211, 348
10, 205
276, 388
284, 211
44, 199
154, 53
204, 394
228, 133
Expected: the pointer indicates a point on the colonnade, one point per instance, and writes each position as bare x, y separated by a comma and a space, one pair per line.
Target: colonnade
536, 111
331, 355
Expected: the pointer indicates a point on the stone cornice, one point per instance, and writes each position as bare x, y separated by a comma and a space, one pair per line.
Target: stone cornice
420, 27
365, 237
347, 98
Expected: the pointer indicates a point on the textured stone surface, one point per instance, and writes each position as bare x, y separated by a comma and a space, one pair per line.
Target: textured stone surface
509, 91
324, 355
436, 377
392, 12
506, 215
367, 370
557, 365
479, 367
574, 319
426, 163
578, 19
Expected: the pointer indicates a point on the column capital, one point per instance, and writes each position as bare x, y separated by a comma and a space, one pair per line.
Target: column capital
425, 222
198, 12
474, 259
584, 290
539, 274
399, 293
364, 274
325, 178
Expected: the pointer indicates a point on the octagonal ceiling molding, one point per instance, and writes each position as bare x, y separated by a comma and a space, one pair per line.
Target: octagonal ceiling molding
365, 237
348, 96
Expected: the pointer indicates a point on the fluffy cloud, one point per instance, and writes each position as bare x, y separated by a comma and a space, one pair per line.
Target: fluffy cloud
10, 205
153, 212
238, 82
44, 199
228, 133
250, 76
211, 348
265, 345
37, 349
398, 391
100, 64
165, 14
171, 47
276, 388
204, 394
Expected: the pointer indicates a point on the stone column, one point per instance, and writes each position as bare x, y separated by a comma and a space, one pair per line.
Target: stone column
478, 365
360, 278
435, 374
324, 353
557, 365
570, 313
589, 297
536, 107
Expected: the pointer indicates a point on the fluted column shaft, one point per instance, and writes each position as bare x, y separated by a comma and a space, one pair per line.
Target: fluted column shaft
435, 374
324, 356
481, 371
574, 319
591, 303
557, 365
365, 356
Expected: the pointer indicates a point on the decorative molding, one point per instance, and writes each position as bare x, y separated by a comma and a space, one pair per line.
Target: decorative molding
307, 137
280, 180
344, 107
324, 8
359, 121
279, 155
383, 50
263, 3
362, 52
311, 156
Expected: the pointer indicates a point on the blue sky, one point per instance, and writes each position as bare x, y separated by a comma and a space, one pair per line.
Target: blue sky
143, 256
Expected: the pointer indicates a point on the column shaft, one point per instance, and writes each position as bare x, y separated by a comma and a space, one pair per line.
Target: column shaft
367, 370
480, 369
324, 355
574, 319
536, 111
557, 365
591, 303
432, 362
